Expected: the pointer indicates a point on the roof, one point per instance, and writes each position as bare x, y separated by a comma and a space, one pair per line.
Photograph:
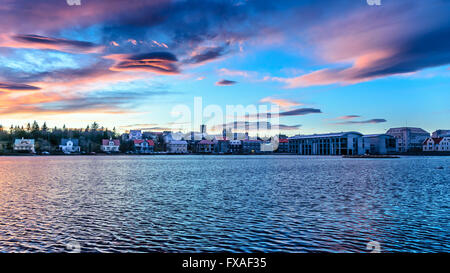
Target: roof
324, 135
436, 140
24, 141
377, 135
182, 142
65, 140
411, 129
206, 142
139, 141
105, 142
252, 140
283, 140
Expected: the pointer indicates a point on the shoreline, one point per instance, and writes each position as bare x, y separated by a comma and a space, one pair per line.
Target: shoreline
215, 154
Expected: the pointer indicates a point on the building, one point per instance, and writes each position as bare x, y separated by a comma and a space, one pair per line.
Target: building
440, 133
135, 134
110, 145
436, 144
203, 129
345, 143
24, 145
204, 146
235, 146
144, 146
177, 147
222, 146
69, 146
379, 144
251, 146
408, 138
4, 146
283, 145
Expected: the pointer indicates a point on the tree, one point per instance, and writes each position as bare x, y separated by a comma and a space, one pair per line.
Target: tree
95, 126
44, 127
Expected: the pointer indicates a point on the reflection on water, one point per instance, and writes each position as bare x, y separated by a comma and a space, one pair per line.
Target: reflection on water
224, 203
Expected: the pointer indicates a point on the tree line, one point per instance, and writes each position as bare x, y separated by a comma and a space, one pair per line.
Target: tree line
49, 139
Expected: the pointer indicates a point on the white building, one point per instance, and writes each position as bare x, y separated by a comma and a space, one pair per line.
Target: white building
177, 147
110, 145
408, 138
436, 144
69, 146
379, 144
135, 134
440, 133
345, 143
24, 145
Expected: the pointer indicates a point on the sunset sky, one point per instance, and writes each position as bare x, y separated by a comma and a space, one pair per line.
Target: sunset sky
329, 65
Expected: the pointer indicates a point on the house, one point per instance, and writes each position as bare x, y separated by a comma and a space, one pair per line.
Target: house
379, 144
251, 146
177, 147
110, 145
235, 146
408, 138
135, 134
221, 146
24, 145
144, 146
204, 146
436, 144
69, 146
4, 146
344, 143
440, 133
283, 145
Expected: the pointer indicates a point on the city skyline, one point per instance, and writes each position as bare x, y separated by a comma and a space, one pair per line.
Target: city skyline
341, 66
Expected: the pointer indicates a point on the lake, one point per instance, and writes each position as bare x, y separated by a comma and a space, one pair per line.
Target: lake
191, 203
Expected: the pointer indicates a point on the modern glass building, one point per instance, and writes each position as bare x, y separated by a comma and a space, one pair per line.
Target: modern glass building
345, 143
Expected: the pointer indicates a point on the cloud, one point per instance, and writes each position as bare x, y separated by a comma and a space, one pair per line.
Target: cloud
201, 56
11, 87
234, 73
157, 62
283, 103
33, 41
300, 112
225, 82
367, 44
370, 121
348, 117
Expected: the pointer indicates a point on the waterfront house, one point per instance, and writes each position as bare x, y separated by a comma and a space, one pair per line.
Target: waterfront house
69, 146
24, 145
110, 145
135, 134
250, 146
408, 138
344, 143
204, 146
283, 145
440, 133
144, 146
177, 146
221, 146
379, 144
3, 146
235, 146
436, 144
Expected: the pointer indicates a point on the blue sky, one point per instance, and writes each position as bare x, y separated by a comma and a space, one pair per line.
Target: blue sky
329, 65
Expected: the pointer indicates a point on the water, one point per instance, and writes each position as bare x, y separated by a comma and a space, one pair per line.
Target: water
224, 203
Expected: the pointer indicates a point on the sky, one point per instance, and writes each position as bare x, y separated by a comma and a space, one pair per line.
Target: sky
327, 66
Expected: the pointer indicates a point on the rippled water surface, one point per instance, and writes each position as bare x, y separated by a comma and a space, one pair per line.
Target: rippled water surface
224, 203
